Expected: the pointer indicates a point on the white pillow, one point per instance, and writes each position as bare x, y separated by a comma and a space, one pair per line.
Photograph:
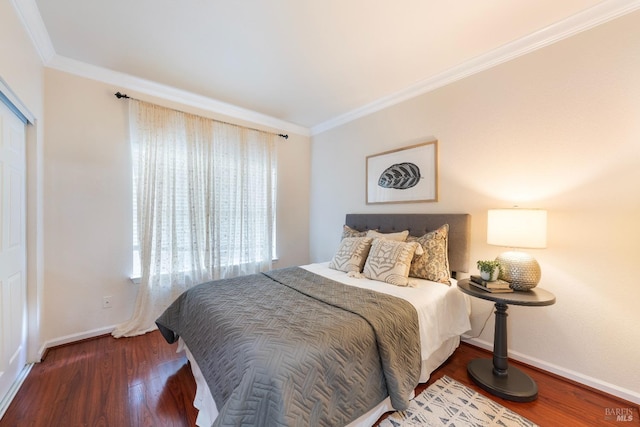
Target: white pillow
400, 236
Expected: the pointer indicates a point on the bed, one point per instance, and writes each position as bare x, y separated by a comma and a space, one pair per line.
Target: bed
326, 343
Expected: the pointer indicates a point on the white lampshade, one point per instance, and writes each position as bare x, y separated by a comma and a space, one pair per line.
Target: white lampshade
517, 228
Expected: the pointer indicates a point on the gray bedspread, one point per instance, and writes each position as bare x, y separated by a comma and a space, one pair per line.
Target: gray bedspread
292, 348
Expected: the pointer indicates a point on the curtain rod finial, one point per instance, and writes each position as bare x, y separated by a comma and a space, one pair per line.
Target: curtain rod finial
121, 95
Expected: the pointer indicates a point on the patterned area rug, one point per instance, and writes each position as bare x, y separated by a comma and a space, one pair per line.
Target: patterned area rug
446, 402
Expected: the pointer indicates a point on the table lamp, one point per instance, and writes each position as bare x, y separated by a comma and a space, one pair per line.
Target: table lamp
518, 228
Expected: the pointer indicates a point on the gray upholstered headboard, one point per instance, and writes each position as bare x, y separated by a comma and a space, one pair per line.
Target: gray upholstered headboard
418, 225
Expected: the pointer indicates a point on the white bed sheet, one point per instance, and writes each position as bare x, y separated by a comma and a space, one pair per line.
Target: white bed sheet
443, 315
443, 311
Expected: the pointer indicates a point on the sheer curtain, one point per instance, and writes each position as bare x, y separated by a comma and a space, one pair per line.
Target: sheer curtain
204, 205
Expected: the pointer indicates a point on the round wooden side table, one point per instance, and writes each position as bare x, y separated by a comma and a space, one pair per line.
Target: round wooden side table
496, 376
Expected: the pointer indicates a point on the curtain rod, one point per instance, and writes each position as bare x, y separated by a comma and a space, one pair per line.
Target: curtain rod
281, 135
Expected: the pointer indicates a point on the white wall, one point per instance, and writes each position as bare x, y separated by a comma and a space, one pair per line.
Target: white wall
558, 129
87, 206
22, 71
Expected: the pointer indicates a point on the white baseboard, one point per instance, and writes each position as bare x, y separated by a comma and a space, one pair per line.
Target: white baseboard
74, 337
614, 390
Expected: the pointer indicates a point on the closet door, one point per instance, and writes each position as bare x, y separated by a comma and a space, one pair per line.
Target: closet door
13, 293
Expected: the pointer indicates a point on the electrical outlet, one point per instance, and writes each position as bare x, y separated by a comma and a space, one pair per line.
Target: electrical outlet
106, 302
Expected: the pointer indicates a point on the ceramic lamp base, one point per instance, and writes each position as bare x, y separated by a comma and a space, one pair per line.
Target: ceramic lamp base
520, 269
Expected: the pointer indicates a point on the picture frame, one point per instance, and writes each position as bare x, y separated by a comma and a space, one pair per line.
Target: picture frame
405, 175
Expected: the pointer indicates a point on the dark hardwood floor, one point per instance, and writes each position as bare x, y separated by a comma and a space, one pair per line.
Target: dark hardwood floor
139, 381
142, 381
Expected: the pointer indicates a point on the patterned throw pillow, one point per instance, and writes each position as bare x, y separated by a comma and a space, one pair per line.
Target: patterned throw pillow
351, 232
351, 254
389, 261
400, 236
433, 264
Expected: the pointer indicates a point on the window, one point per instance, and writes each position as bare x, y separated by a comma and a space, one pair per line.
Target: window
204, 205
215, 205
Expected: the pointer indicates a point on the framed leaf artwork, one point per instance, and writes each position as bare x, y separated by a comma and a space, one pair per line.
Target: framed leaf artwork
405, 175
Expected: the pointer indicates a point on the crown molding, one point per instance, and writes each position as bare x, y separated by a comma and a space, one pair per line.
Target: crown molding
589, 18
148, 87
32, 21
599, 14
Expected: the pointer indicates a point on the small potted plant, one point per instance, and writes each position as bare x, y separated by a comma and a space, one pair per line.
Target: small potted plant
489, 270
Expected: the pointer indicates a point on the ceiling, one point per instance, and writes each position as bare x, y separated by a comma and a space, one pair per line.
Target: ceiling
307, 64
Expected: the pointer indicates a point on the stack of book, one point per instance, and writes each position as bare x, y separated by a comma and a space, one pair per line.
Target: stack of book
495, 286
